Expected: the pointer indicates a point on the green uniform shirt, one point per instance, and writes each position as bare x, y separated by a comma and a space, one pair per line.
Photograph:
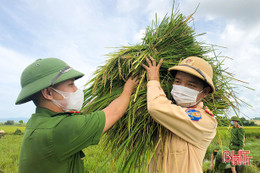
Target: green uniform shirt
237, 138
54, 143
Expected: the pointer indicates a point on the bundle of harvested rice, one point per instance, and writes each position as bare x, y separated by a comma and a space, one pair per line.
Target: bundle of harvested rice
133, 138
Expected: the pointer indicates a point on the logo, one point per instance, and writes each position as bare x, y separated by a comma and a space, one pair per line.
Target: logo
193, 114
239, 159
189, 61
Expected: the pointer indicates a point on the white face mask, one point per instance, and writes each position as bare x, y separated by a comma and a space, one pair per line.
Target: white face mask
184, 96
72, 101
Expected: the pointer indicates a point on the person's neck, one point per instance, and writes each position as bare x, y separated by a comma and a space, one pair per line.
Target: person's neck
51, 106
198, 105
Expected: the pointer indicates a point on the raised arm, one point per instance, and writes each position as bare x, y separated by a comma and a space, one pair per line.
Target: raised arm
116, 109
211, 162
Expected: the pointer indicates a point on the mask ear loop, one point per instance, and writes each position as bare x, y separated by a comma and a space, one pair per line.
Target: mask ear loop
197, 96
58, 91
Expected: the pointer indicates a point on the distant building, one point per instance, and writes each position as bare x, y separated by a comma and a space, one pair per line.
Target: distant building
255, 121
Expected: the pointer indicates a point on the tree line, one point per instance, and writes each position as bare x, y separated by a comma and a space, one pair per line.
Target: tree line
223, 121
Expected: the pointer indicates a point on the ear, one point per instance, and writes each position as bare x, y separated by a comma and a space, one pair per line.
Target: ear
206, 91
47, 94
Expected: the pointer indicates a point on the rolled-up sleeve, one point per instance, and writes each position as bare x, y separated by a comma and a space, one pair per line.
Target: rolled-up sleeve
174, 117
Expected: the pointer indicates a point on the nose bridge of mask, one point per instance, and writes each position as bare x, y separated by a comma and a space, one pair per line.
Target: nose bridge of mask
185, 90
185, 96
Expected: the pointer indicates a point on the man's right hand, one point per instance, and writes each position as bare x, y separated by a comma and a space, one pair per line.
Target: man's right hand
130, 85
116, 109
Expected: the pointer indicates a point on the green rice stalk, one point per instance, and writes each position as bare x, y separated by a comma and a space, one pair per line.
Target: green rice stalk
134, 137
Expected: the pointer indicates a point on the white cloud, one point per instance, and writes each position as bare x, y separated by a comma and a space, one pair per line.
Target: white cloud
12, 65
79, 32
138, 36
127, 6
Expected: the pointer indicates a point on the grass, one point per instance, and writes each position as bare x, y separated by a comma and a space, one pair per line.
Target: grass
252, 143
10, 146
96, 159
12, 128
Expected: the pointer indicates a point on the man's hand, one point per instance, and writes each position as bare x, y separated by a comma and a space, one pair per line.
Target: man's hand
211, 166
116, 109
152, 69
130, 85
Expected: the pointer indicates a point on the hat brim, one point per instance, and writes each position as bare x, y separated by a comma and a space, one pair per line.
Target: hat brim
38, 85
189, 70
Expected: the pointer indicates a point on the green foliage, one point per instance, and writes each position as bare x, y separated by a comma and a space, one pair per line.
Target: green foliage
133, 138
252, 144
96, 156
18, 132
11, 129
10, 146
9, 122
225, 121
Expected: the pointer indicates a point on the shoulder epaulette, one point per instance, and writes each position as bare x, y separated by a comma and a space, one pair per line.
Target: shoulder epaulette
65, 113
208, 111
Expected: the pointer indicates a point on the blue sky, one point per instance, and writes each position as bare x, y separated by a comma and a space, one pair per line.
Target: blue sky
80, 32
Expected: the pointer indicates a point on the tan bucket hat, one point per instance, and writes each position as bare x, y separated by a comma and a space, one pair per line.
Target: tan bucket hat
196, 66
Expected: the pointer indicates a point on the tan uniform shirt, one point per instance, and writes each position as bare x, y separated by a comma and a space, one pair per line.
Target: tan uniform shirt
190, 133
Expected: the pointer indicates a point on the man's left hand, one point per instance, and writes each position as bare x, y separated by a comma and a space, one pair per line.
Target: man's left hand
152, 69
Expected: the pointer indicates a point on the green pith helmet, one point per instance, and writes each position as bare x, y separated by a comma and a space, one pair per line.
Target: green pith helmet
42, 74
234, 118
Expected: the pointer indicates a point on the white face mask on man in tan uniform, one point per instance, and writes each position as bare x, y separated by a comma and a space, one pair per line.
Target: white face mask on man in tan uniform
191, 126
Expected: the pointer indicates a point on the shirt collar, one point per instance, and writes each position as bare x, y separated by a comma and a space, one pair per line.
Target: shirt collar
199, 106
44, 110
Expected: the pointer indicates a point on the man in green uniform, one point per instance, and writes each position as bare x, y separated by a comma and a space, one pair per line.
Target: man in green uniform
57, 132
220, 166
237, 135
237, 139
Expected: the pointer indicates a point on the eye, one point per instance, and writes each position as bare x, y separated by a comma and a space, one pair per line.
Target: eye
176, 82
71, 84
191, 85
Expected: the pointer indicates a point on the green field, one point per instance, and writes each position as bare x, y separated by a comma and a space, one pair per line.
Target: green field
96, 156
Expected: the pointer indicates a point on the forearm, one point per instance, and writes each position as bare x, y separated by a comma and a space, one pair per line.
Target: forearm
212, 159
211, 162
116, 109
233, 169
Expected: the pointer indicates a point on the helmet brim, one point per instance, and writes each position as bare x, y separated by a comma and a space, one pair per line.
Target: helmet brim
29, 90
189, 70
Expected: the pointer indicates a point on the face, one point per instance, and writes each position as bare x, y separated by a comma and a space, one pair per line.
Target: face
235, 123
66, 86
192, 82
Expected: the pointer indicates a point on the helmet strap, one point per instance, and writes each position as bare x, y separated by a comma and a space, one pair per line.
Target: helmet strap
66, 69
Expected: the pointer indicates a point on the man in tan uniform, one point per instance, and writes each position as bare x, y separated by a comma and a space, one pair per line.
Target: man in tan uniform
191, 126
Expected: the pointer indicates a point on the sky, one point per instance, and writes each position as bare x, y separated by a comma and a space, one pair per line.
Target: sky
82, 32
